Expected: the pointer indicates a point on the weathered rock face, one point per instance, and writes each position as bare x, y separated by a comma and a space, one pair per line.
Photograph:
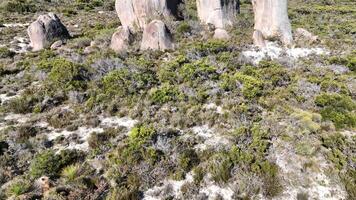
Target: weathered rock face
221, 34
303, 34
271, 19
121, 40
219, 13
156, 37
258, 39
46, 30
135, 14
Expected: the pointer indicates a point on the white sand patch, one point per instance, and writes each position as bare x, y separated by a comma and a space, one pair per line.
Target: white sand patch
169, 187
116, 121
17, 118
213, 106
349, 134
2, 126
83, 133
273, 51
203, 131
312, 181
20, 45
172, 188
211, 138
215, 191
4, 98
13, 25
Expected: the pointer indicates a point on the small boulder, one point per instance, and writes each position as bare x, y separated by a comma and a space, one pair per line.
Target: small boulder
57, 44
46, 30
258, 39
156, 36
221, 34
303, 34
121, 40
43, 184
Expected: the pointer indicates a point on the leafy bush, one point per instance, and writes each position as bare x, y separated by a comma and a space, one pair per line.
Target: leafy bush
124, 82
64, 75
198, 71
251, 87
338, 109
50, 164
19, 6
6, 53
220, 167
164, 94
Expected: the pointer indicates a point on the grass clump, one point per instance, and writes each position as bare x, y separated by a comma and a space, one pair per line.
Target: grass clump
18, 188
71, 172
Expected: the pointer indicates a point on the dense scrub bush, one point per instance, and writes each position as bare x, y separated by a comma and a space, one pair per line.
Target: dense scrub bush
19, 6
124, 82
24, 104
137, 146
67, 75
348, 60
50, 164
338, 109
165, 94
6, 53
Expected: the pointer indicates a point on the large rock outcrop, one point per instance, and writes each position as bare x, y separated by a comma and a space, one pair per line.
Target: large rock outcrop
46, 30
135, 14
121, 40
271, 19
220, 13
156, 36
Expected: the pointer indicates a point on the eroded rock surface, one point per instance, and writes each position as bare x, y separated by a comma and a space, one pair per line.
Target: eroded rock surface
121, 40
46, 30
156, 36
220, 13
271, 19
136, 14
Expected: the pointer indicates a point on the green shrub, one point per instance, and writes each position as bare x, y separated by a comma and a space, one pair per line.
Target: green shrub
66, 75
206, 48
19, 6
198, 71
6, 53
23, 104
183, 27
49, 163
220, 167
137, 147
124, 82
188, 159
338, 109
164, 94
251, 87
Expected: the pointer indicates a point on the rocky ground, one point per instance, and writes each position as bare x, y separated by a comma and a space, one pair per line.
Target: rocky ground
211, 119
